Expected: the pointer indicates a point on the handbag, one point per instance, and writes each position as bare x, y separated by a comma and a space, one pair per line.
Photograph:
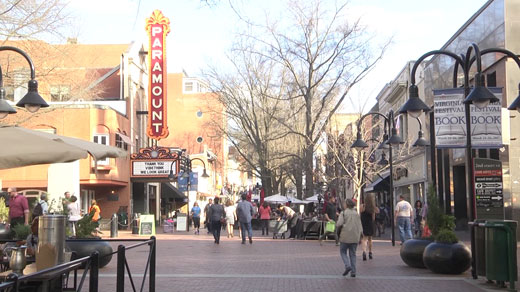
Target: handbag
222, 220
330, 226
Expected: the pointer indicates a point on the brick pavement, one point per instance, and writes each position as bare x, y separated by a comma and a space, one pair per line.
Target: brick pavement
188, 262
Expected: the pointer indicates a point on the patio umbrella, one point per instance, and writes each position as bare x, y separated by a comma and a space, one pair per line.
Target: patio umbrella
23, 147
294, 200
276, 199
312, 199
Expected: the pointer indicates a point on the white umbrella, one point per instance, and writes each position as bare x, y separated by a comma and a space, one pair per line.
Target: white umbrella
312, 199
294, 200
276, 199
23, 147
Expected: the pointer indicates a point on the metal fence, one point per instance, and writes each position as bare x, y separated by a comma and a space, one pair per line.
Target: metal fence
59, 275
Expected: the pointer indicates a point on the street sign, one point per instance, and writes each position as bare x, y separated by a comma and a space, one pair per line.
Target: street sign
488, 188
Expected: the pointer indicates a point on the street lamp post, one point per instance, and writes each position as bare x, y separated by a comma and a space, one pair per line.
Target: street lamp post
479, 95
32, 101
186, 174
394, 139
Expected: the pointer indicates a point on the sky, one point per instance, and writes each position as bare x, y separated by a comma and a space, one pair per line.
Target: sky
201, 35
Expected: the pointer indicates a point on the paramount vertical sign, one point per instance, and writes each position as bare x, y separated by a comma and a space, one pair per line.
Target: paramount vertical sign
157, 26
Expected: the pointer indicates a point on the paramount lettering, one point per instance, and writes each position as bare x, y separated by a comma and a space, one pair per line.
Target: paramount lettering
156, 78
158, 28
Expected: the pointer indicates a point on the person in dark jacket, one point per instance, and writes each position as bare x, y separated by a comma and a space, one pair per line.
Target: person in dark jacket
216, 213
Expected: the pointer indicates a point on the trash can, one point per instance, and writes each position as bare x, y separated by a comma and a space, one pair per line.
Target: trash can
480, 246
122, 219
501, 251
51, 231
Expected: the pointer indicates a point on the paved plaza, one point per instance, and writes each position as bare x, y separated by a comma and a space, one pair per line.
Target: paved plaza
188, 262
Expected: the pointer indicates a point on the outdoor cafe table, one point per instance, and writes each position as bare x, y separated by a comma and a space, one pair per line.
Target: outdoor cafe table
41, 281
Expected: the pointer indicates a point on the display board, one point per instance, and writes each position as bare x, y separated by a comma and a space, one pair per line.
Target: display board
489, 194
182, 222
147, 225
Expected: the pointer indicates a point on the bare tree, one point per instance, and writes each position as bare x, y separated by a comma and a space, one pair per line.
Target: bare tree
324, 54
32, 19
252, 97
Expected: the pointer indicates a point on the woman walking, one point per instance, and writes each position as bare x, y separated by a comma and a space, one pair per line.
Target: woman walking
350, 235
265, 215
195, 215
368, 217
216, 217
231, 214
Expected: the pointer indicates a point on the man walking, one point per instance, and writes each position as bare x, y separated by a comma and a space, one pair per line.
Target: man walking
330, 216
18, 208
403, 219
245, 214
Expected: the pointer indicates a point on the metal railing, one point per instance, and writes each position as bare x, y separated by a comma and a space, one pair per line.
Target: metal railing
60, 272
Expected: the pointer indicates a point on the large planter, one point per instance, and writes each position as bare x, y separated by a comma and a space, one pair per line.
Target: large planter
445, 258
83, 248
412, 252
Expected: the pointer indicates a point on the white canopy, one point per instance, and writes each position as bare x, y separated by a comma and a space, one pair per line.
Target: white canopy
313, 199
24, 147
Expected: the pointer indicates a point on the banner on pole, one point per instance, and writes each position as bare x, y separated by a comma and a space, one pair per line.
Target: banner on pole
450, 120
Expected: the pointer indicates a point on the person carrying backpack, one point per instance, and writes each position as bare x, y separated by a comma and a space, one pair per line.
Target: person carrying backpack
380, 221
42, 207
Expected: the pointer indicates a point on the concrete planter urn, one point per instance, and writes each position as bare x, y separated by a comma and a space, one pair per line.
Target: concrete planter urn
447, 258
412, 252
85, 247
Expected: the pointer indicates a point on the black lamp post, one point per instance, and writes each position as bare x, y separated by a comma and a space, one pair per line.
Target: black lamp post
479, 95
394, 139
186, 174
32, 101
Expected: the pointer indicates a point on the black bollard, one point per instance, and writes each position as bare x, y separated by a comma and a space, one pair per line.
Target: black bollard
135, 227
113, 226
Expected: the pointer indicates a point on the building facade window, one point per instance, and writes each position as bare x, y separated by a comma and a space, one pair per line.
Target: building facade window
120, 143
188, 86
104, 140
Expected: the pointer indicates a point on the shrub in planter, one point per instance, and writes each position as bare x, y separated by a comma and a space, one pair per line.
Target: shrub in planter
83, 247
447, 255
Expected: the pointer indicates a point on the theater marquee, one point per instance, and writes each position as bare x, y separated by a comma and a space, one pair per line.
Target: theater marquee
158, 28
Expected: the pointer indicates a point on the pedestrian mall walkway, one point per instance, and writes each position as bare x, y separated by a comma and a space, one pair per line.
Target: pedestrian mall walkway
189, 262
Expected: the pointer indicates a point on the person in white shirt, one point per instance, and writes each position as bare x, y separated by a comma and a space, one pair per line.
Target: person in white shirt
74, 213
403, 219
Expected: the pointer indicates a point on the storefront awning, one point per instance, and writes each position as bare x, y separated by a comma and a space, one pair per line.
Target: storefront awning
382, 183
168, 191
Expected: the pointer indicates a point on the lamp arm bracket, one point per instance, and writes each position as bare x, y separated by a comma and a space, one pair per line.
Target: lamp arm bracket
24, 54
435, 52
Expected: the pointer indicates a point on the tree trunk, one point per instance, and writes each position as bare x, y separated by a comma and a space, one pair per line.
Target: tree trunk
298, 178
267, 183
309, 174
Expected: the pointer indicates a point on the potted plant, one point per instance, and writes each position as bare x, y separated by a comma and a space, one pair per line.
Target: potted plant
86, 241
5, 233
21, 232
446, 255
412, 250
